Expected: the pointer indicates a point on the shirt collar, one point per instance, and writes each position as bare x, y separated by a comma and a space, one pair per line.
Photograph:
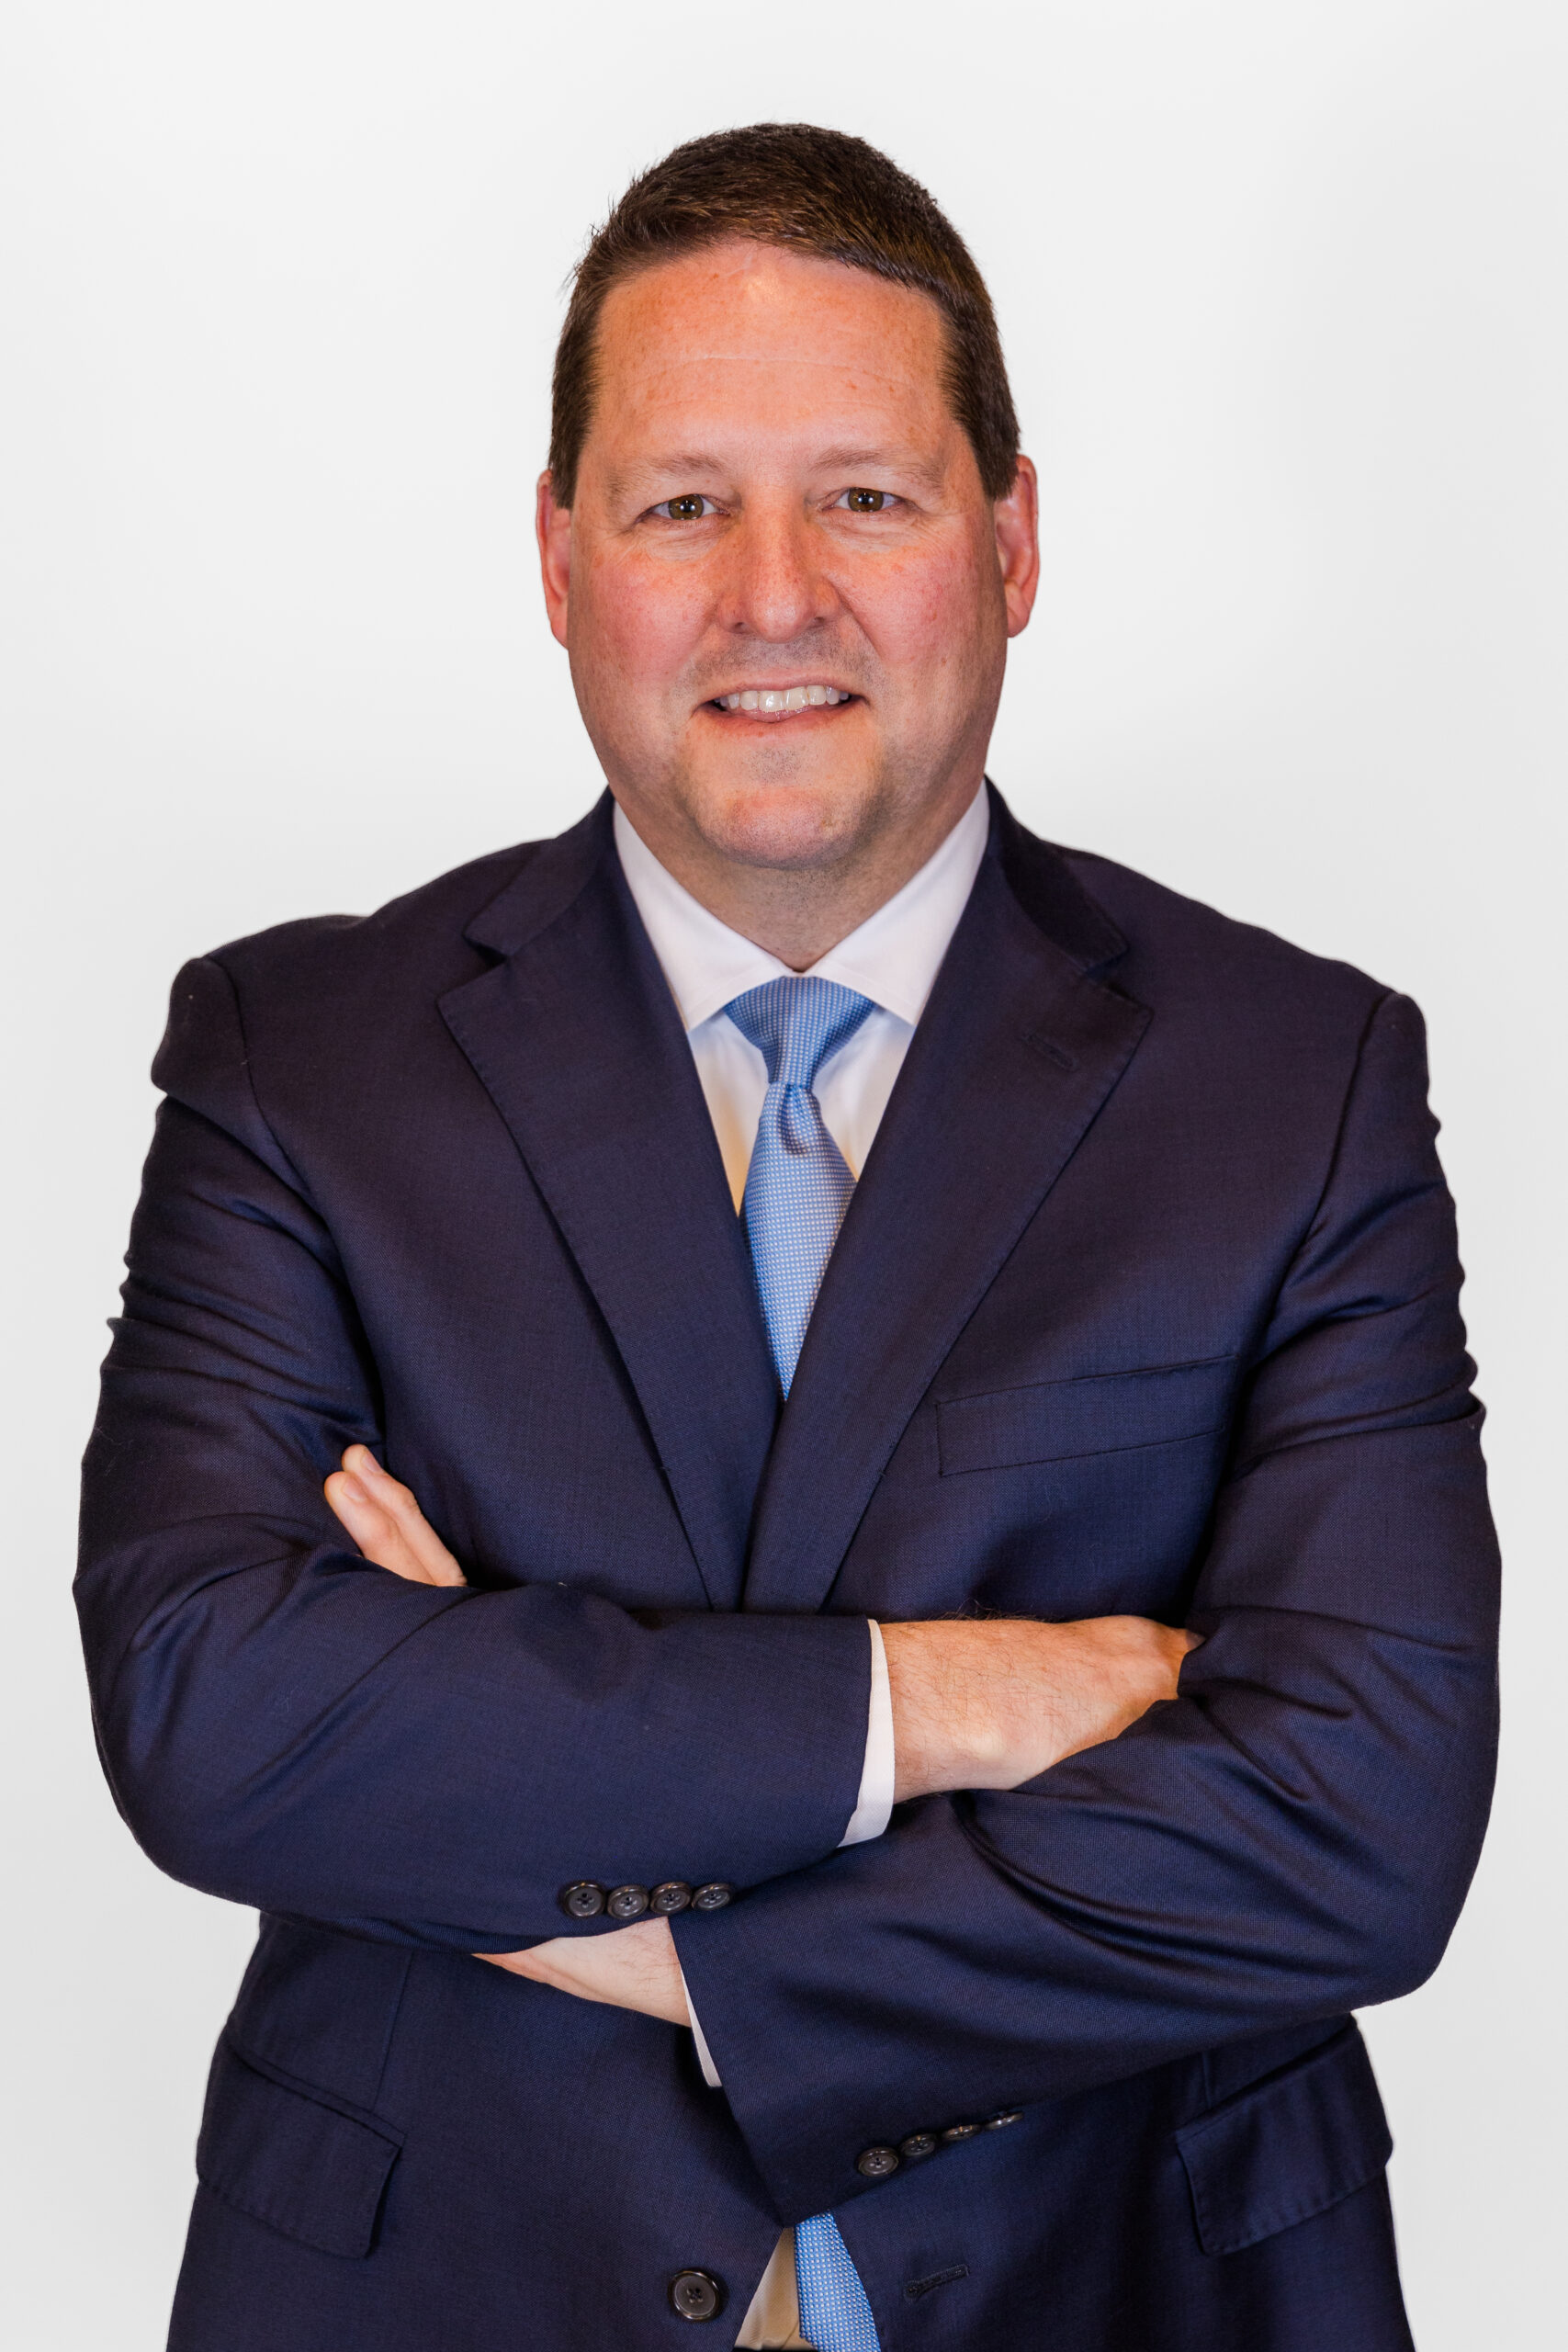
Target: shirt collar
893, 957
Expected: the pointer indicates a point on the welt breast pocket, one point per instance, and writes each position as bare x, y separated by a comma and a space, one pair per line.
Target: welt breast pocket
1061, 1421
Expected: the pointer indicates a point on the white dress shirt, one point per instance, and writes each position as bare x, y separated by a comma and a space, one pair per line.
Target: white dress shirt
893, 959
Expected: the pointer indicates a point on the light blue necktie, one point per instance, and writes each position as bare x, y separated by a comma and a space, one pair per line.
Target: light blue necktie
797, 1186
797, 1189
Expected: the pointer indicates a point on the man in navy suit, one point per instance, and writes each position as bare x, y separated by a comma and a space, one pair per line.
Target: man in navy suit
792, 1481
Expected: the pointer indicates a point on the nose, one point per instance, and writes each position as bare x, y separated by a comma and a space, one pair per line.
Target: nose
777, 589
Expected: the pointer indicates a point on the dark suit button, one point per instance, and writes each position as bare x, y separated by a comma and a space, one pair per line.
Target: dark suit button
877, 2163
673, 1895
713, 1896
582, 1899
696, 2294
919, 2144
1013, 2115
954, 2130
627, 1901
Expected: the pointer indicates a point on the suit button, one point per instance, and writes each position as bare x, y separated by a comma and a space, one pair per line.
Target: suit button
713, 1896
877, 2163
696, 2294
954, 2130
673, 1895
627, 1901
995, 2122
582, 1899
918, 2144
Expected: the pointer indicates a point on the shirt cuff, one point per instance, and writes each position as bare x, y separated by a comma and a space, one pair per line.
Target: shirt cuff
873, 1806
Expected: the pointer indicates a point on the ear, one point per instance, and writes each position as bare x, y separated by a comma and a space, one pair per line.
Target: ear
553, 524
1018, 545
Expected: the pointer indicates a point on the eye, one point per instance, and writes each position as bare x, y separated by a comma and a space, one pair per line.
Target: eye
690, 508
867, 502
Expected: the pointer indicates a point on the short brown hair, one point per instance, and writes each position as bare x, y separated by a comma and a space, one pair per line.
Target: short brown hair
820, 192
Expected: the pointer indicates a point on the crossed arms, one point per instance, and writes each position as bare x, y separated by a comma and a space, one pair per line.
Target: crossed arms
1063, 1902
975, 1705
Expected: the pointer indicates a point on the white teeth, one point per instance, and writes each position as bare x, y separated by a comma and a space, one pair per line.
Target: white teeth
784, 699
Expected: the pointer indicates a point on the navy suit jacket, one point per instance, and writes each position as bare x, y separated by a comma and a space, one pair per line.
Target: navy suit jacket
1145, 1302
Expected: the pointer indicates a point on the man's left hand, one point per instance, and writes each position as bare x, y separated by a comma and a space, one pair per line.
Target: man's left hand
635, 1967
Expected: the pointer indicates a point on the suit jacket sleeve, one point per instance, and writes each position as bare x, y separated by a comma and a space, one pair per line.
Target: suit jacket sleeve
1290, 1838
288, 1726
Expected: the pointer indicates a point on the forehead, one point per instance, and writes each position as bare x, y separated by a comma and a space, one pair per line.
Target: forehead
778, 340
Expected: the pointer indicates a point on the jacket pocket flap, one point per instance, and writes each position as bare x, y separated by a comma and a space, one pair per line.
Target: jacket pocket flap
1102, 1413
1289, 2148
290, 2161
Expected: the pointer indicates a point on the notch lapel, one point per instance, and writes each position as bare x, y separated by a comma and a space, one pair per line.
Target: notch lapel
576, 1038
1018, 1049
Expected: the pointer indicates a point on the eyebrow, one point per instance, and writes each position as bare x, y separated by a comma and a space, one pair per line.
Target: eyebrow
842, 458
845, 460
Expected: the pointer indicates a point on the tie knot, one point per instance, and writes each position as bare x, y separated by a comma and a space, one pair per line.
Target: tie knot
796, 1023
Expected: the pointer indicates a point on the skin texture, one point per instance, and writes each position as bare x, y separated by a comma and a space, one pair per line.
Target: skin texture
772, 396
974, 1706
773, 492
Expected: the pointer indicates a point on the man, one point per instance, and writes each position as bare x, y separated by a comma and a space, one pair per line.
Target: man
918, 1581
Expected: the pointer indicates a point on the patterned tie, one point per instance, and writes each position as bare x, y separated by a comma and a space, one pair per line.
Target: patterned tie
797, 1186
797, 1189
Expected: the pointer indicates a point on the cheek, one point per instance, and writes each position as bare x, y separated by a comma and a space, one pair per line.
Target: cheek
930, 617
640, 622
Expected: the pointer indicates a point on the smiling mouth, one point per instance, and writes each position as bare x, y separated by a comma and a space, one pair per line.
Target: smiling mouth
782, 702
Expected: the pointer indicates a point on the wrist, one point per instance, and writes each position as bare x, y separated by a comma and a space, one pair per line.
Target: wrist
945, 1730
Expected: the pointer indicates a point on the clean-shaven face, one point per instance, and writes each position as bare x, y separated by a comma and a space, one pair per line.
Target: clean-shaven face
786, 594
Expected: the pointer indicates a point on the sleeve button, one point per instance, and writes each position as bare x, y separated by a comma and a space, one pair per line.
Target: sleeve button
673, 1895
713, 1896
954, 2130
918, 2144
995, 2122
583, 1899
627, 1901
876, 2164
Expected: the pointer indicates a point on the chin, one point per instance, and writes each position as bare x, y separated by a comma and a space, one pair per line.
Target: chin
795, 823
791, 818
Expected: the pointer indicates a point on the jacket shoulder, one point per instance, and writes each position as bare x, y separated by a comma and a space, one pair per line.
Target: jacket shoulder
1179, 946
307, 996
421, 925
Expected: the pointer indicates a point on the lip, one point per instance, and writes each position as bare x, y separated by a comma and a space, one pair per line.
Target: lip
844, 698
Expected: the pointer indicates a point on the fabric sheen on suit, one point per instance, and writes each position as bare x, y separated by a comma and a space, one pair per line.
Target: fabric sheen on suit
1145, 1302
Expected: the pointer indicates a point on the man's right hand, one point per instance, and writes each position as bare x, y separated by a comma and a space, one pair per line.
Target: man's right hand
386, 1521
977, 1702
988, 1702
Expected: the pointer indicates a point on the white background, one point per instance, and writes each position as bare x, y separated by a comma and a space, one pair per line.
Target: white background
1282, 286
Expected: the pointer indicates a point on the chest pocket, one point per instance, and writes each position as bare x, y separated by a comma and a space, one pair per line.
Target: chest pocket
1105, 1413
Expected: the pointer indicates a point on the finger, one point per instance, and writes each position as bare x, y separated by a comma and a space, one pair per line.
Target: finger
421, 1549
375, 1532
516, 1964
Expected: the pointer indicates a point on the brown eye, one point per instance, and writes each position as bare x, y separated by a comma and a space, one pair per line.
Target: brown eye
865, 502
688, 509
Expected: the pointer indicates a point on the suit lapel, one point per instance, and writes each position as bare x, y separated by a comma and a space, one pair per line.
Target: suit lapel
1018, 1049
576, 1038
